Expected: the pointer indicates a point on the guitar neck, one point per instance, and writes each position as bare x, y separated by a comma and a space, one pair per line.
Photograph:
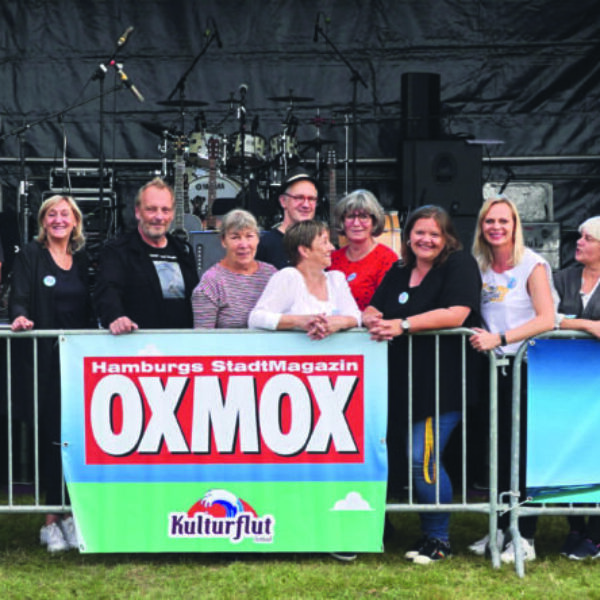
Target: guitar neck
178, 221
212, 187
332, 196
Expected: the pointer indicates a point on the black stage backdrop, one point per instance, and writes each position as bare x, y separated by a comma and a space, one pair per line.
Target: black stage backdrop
525, 73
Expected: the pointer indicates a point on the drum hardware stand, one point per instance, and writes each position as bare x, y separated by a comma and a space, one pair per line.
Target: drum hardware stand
355, 79
241, 117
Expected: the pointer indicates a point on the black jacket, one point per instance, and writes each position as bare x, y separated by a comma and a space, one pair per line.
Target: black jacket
127, 283
30, 294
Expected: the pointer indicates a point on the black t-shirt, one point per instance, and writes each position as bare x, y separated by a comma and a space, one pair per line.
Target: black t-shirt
270, 249
456, 282
70, 300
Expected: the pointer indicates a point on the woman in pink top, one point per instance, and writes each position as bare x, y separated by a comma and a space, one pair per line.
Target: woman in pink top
229, 290
364, 261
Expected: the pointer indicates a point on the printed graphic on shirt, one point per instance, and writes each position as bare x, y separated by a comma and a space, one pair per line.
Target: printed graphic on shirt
496, 293
169, 275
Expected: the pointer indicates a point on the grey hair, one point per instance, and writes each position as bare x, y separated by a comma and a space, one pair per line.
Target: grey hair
592, 227
237, 219
360, 200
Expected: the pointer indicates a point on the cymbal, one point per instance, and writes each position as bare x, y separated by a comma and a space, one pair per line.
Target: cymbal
184, 103
290, 98
157, 128
346, 109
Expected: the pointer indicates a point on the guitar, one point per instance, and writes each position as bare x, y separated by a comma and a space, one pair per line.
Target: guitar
213, 153
184, 221
331, 165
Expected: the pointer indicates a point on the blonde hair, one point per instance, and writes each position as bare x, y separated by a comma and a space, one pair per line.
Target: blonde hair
482, 251
77, 239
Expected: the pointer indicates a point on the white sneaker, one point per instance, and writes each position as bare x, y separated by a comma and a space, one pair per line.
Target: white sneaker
69, 532
480, 546
508, 556
52, 536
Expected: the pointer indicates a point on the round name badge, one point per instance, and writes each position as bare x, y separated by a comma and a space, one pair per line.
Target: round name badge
49, 281
403, 298
351, 277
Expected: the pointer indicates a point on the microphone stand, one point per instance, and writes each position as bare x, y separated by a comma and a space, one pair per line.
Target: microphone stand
355, 79
100, 75
19, 131
180, 85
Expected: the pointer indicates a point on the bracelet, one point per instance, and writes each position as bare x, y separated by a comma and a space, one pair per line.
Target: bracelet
503, 341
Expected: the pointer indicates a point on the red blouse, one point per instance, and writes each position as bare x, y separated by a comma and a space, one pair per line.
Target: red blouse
364, 275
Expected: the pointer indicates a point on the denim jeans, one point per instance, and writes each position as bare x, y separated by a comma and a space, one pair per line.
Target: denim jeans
425, 476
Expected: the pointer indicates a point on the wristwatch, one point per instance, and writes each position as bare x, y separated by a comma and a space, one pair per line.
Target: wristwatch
405, 326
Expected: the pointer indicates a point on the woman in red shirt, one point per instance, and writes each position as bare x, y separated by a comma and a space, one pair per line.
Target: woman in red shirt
364, 261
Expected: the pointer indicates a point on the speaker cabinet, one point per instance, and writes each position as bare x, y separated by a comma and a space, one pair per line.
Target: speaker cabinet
208, 249
442, 172
420, 106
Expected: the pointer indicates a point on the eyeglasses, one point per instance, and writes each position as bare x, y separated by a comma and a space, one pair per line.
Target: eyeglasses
300, 198
362, 217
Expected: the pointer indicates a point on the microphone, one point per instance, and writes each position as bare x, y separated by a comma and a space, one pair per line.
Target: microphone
128, 83
217, 36
123, 39
316, 36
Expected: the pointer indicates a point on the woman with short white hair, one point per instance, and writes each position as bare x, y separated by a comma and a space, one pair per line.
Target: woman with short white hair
229, 290
579, 309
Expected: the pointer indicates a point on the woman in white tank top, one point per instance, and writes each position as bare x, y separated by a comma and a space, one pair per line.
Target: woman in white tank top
516, 304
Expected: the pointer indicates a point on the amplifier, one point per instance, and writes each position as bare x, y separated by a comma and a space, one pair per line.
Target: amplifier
544, 238
208, 249
79, 179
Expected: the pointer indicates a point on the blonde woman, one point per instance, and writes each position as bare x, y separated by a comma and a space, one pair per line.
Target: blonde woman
50, 291
516, 304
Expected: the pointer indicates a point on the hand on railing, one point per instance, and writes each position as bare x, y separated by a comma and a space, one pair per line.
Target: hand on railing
21, 323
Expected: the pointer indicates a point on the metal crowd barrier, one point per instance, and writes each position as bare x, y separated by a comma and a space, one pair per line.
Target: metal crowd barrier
516, 507
23, 484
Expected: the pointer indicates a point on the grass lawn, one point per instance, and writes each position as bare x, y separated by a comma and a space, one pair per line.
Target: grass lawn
28, 571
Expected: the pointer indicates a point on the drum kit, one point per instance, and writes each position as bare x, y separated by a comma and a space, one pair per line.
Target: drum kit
239, 168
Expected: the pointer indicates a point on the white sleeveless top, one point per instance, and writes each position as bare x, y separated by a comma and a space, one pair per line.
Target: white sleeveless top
505, 301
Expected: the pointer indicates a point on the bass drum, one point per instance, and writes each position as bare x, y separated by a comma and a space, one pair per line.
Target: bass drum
227, 192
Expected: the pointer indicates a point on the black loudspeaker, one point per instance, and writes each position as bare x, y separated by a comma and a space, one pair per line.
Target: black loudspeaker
208, 249
420, 106
442, 172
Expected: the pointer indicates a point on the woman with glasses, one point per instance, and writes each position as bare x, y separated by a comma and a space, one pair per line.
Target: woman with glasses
578, 289
364, 261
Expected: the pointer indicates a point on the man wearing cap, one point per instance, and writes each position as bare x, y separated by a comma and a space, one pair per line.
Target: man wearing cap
299, 201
